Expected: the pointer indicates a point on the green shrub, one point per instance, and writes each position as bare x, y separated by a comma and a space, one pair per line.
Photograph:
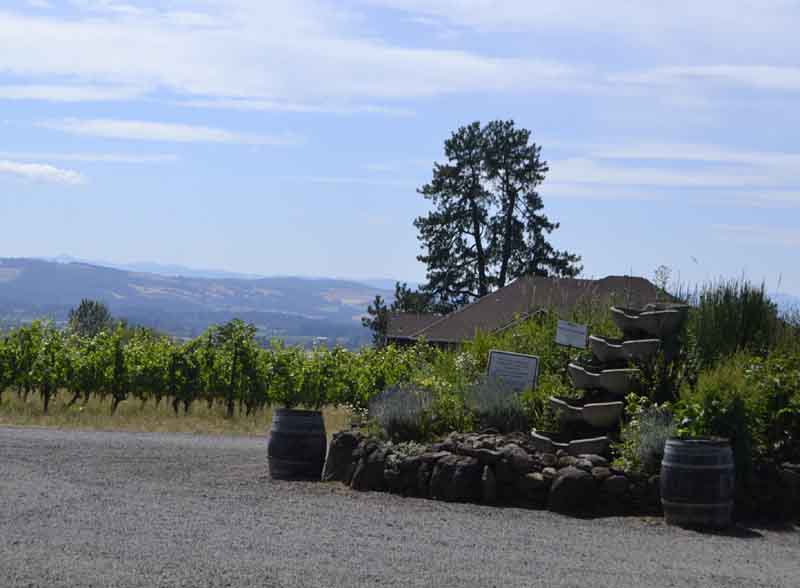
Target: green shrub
403, 412
774, 388
722, 406
537, 401
643, 437
731, 316
495, 405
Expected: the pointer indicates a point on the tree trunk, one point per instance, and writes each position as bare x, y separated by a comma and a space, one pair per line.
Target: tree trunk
232, 388
507, 224
483, 286
46, 397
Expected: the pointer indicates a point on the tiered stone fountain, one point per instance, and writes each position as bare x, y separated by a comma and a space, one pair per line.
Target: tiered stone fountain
588, 423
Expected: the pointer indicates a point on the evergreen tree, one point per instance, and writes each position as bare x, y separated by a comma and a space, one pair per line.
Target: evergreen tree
377, 320
90, 318
486, 227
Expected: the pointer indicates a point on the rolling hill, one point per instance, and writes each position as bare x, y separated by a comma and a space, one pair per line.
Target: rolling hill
279, 306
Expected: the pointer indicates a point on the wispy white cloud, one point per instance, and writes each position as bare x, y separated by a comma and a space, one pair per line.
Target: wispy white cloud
760, 234
598, 192
584, 170
694, 153
762, 28
298, 51
92, 157
68, 93
296, 107
410, 184
108, 6
165, 132
763, 77
39, 172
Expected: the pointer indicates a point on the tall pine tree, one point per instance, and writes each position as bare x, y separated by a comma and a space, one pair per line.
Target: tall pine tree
486, 226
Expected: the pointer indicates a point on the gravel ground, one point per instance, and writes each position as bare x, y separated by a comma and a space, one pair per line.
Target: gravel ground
124, 509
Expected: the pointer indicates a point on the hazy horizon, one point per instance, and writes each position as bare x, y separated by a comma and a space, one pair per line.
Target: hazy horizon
289, 138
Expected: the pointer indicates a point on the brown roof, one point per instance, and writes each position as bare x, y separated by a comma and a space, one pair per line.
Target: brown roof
530, 294
403, 325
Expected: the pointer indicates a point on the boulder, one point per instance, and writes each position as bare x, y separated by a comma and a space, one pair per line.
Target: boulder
504, 473
488, 486
615, 485
424, 479
598, 461
549, 460
484, 456
550, 473
522, 461
532, 483
574, 491
566, 461
600, 473
340, 464
368, 474
456, 478
400, 474
584, 464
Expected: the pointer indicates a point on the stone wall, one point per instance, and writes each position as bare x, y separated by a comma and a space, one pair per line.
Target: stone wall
491, 469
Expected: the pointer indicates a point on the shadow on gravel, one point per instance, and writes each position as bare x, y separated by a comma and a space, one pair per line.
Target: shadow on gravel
747, 529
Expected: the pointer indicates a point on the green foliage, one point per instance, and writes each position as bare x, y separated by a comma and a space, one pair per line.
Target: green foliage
721, 406
486, 226
377, 320
730, 316
403, 412
90, 318
494, 405
642, 439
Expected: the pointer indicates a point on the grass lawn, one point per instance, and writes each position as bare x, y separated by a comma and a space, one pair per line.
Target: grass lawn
132, 416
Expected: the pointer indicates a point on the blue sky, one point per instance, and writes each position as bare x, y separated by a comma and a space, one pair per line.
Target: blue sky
289, 137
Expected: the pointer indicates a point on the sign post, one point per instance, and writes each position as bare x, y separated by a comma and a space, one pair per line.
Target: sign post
572, 334
516, 370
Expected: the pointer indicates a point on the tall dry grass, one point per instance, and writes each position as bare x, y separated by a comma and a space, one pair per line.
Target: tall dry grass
132, 416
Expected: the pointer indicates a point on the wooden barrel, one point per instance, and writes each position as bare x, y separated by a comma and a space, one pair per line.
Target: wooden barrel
297, 445
697, 482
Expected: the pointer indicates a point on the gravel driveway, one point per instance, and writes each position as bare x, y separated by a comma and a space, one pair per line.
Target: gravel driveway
124, 509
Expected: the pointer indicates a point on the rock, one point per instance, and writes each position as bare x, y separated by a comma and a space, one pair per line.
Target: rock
484, 456
504, 473
369, 472
423, 479
790, 475
550, 473
533, 482
615, 485
340, 463
566, 461
456, 478
519, 459
434, 456
598, 461
584, 464
549, 459
400, 474
573, 492
600, 473
365, 447
488, 486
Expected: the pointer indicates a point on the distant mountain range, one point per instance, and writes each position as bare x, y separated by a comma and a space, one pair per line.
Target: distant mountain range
181, 304
166, 269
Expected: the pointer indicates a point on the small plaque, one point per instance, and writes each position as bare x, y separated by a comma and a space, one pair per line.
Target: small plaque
572, 334
516, 370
